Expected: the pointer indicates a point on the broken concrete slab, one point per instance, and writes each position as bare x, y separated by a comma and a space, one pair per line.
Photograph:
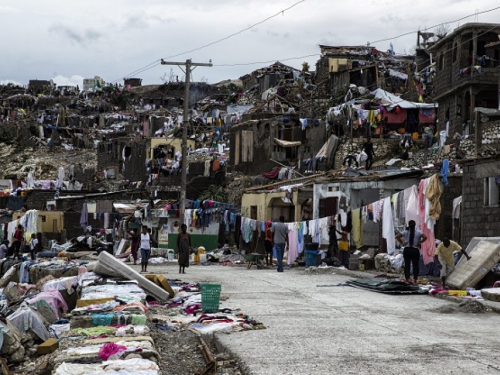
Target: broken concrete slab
485, 253
48, 346
162, 281
88, 302
110, 262
491, 294
117, 339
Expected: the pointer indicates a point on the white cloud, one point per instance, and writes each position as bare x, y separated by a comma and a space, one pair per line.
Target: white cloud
7, 81
68, 81
101, 39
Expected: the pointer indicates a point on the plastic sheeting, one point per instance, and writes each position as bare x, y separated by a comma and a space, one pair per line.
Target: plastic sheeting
392, 101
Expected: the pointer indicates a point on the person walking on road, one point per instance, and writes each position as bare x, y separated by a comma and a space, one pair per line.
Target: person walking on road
184, 248
280, 239
411, 240
134, 243
445, 251
145, 248
268, 244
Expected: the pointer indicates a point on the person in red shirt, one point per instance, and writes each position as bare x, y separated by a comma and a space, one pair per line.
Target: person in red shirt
18, 239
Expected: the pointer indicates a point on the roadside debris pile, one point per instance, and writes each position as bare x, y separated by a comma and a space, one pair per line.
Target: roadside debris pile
72, 317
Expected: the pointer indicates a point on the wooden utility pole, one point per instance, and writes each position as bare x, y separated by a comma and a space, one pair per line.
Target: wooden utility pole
185, 121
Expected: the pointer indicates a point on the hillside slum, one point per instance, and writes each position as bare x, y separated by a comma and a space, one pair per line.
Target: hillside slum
348, 152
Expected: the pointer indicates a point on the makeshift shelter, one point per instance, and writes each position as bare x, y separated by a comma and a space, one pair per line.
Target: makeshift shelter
392, 101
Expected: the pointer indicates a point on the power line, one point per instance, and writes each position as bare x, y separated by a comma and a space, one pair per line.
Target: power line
140, 70
443, 23
269, 61
157, 62
238, 32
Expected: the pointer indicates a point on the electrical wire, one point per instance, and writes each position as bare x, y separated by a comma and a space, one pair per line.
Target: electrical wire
440, 24
158, 62
238, 32
140, 70
268, 62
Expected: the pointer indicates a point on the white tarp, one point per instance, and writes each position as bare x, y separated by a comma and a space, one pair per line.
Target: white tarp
238, 109
395, 73
392, 101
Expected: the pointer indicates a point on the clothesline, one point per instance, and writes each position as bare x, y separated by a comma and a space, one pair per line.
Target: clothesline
419, 203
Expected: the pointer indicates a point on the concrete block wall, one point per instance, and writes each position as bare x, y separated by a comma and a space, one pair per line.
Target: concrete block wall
478, 220
107, 157
135, 166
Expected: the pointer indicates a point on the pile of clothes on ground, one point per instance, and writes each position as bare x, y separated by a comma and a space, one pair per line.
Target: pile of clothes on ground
75, 320
185, 312
63, 317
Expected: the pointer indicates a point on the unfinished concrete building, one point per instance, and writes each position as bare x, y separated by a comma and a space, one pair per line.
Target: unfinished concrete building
344, 65
467, 72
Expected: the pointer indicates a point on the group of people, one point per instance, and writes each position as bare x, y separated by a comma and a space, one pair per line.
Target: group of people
411, 238
20, 246
276, 239
367, 156
140, 243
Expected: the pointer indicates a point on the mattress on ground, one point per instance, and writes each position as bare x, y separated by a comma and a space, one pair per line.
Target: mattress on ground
485, 253
385, 285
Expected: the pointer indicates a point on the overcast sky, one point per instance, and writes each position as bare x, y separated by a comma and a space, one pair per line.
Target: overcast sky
68, 40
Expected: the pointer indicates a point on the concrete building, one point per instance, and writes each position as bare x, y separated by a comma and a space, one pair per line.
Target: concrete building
132, 82
285, 198
168, 144
467, 74
256, 143
38, 86
344, 65
128, 156
269, 76
91, 83
480, 208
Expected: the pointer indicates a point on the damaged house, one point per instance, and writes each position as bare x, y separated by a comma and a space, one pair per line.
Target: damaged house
467, 75
261, 145
342, 66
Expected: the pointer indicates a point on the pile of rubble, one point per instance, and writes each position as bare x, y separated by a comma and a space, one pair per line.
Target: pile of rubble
237, 182
42, 163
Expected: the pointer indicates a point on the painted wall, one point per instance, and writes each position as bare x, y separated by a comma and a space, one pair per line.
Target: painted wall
48, 221
264, 203
206, 237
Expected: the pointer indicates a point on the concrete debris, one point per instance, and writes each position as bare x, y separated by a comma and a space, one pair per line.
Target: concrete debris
129, 273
